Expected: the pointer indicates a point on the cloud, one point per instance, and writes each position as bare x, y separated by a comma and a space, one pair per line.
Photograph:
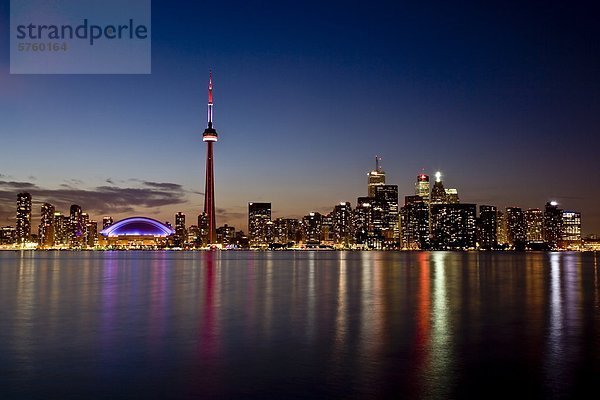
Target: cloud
98, 200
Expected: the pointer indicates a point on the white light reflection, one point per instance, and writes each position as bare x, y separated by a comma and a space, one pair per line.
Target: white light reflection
441, 335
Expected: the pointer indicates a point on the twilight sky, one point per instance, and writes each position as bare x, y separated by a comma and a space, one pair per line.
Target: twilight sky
502, 96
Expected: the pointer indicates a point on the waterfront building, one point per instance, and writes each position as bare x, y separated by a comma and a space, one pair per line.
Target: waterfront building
46, 230
488, 227
515, 222
570, 233
258, 230
75, 226
138, 233
106, 222
343, 224
23, 226
534, 223
180, 231
312, 226
415, 229
225, 235
552, 224
453, 226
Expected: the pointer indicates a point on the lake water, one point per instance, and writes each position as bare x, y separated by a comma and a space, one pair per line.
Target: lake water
112, 325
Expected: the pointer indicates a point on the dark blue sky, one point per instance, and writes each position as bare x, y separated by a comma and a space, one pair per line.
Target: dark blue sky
502, 97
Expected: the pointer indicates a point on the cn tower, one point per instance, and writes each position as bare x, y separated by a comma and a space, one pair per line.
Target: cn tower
210, 136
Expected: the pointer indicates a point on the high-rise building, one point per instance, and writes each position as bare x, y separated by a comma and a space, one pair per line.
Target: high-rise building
312, 225
488, 227
46, 229
422, 187
23, 227
180, 231
452, 196
570, 233
438, 193
386, 196
225, 235
210, 136
106, 222
453, 226
502, 232
258, 231
75, 226
363, 220
534, 223
286, 231
376, 177
552, 224
342, 224
85, 229
415, 228
92, 233
203, 229
515, 223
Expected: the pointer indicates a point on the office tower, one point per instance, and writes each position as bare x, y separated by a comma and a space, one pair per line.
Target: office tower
92, 233
415, 223
286, 231
258, 216
193, 235
106, 222
225, 235
342, 224
534, 222
362, 218
438, 193
502, 232
210, 136
61, 229
488, 227
452, 196
23, 226
46, 229
453, 226
180, 231
203, 229
327, 235
552, 224
75, 227
515, 223
422, 187
312, 225
368, 221
376, 177
386, 196
85, 226
570, 235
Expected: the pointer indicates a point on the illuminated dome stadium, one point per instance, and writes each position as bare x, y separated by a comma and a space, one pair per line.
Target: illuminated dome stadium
137, 232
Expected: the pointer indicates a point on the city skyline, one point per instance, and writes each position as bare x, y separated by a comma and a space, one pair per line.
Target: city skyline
295, 107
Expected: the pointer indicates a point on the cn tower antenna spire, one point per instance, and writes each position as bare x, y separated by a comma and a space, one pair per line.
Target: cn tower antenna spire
210, 100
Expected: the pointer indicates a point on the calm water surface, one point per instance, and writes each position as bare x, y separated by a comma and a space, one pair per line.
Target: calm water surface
111, 325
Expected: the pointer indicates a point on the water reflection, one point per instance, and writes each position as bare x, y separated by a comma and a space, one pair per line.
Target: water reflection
305, 324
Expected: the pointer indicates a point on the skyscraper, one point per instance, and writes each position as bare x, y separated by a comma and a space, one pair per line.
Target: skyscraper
75, 227
552, 224
259, 214
415, 223
210, 136
422, 187
106, 222
488, 227
342, 224
387, 197
453, 226
570, 234
438, 193
312, 225
180, 233
23, 228
46, 230
534, 222
376, 177
515, 223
